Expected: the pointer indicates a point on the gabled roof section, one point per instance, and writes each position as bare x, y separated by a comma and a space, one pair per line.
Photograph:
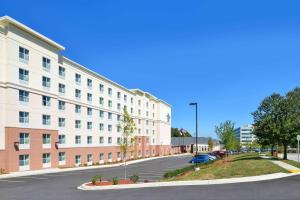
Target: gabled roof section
9, 20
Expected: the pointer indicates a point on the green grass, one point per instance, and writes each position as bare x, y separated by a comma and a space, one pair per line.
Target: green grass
249, 164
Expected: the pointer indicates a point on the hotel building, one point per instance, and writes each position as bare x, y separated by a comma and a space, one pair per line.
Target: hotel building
56, 113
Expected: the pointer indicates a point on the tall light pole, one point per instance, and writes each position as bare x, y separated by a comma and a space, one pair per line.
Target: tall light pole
195, 104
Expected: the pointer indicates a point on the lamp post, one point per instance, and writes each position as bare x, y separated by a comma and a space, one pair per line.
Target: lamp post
195, 104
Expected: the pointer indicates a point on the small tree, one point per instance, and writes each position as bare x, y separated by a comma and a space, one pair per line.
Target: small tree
210, 144
225, 133
127, 140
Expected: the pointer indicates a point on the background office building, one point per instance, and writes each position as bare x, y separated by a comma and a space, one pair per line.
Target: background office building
57, 113
245, 135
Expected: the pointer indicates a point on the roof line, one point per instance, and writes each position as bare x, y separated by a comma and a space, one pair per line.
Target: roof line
10, 20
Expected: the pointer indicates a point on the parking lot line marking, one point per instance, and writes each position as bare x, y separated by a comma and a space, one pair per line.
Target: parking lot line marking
37, 178
10, 181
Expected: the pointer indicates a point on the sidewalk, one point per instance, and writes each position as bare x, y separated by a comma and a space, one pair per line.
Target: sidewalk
58, 170
286, 166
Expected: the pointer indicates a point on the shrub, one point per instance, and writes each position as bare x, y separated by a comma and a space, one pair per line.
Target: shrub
115, 181
134, 178
96, 178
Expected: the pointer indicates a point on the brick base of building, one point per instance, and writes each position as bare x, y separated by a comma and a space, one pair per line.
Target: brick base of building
9, 157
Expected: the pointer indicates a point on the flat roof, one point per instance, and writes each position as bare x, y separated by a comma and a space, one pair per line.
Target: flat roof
9, 20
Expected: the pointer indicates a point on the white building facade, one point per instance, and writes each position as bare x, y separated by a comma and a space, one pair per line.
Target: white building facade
245, 135
57, 113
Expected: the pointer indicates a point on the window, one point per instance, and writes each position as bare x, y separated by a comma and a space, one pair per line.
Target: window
131, 100
118, 140
101, 156
118, 129
109, 128
147, 122
109, 116
23, 54
109, 103
147, 105
61, 88
46, 101
101, 88
46, 82
77, 160
139, 131
61, 139
61, 156
147, 113
89, 125
119, 95
77, 139
139, 111
46, 64
77, 93
147, 131
139, 121
153, 106
125, 107
77, 124
89, 139
118, 118
101, 114
110, 92
23, 75
139, 102
24, 138
61, 122
46, 158
61, 105
125, 97
101, 101
61, 72
101, 127
78, 78
110, 156
153, 141
77, 109
23, 96
119, 106
24, 117
131, 110
118, 154
23, 160
89, 158
89, 83
89, 111
46, 139
89, 97
109, 140
101, 140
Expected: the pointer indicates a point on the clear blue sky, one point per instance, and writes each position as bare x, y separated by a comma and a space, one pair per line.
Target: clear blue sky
226, 55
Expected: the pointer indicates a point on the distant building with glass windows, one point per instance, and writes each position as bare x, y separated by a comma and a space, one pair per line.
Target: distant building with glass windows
245, 135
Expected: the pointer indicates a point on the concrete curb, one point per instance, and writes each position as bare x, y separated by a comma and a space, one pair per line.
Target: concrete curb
186, 183
57, 170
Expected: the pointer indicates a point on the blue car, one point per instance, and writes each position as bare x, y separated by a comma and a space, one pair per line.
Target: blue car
203, 158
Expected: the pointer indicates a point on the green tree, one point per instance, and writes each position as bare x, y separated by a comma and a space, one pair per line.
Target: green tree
127, 140
210, 144
175, 132
225, 133
277, 119
267, 120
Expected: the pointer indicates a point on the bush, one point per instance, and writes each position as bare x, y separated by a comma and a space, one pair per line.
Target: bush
176, 172
134, 178
96, 178
115, 181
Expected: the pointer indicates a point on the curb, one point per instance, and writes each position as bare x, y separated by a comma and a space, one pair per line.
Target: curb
57, 170
188, 183
294, 170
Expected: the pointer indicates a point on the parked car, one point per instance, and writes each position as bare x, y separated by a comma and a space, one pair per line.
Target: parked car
202, 158
219, 153
211, 157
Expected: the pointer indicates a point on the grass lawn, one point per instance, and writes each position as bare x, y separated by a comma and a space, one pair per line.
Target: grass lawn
249, 164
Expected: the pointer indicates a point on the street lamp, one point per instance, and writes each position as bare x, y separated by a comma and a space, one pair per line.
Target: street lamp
195, 104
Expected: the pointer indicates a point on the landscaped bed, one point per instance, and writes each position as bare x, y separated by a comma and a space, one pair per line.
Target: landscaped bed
104, 183
97, 181
242, 165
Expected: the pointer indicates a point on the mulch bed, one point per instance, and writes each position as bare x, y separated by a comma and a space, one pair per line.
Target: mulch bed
104, 183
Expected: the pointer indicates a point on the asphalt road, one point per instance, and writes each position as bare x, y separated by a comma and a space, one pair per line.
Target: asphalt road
62, 186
